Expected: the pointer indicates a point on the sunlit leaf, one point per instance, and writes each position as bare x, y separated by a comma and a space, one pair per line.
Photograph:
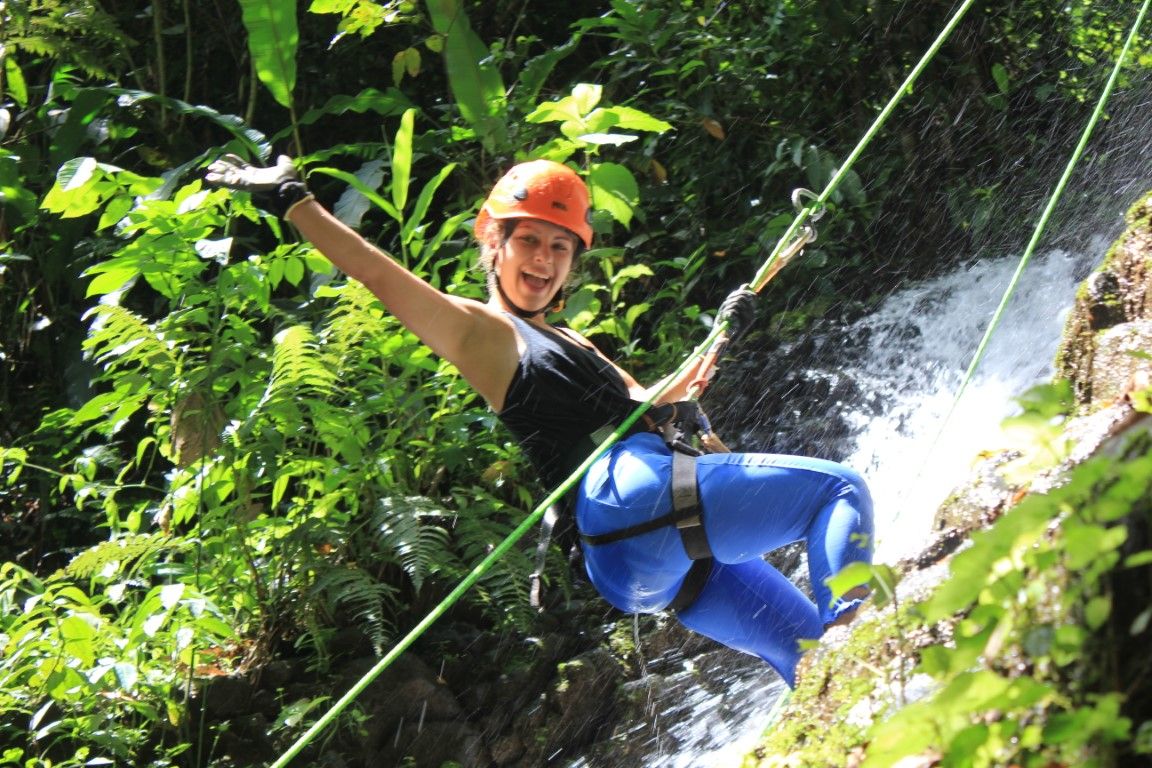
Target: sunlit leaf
476, 83
170, 594
272, 40
402, 160
614, 189
1097, 611
605, 139
15, 84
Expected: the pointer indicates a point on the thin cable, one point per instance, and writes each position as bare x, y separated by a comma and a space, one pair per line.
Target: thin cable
529, 522
842, 171
1053, 199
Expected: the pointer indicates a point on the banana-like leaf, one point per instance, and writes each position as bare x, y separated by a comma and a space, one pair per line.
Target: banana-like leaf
476, 86
254, 141
402, 160
272, 40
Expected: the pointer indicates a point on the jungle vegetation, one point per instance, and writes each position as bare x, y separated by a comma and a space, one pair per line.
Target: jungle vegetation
215, 449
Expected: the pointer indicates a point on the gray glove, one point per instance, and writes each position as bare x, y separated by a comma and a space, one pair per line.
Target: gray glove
274, 189
739, 309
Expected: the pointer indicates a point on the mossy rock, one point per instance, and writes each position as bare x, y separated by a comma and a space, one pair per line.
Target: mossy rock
1113, 303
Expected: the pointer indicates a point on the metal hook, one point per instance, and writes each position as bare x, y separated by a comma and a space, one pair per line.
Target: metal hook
816, 211
810, 233
798, 203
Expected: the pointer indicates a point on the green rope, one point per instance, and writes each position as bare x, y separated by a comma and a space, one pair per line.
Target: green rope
1053, 199
529, 522
877, 124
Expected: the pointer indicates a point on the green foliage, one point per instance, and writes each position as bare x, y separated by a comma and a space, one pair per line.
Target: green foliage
76, 31
476, 84
272, 41
1037, 433
415, 247
363, 17
586, 125
225, 448
91, 662
1033, 593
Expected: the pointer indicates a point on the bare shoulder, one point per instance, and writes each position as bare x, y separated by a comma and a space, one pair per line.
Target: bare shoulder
488, 353
577, 337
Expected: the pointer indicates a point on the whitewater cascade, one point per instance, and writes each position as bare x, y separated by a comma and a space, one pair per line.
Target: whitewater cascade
917, 346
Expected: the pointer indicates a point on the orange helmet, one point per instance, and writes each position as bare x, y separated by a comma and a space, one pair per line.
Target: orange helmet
541, 189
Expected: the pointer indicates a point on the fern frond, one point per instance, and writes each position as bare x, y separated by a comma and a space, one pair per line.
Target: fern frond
297, 366
354, 592
77, 31
354, 319
121, 339
504, 590
109, 559
409, 532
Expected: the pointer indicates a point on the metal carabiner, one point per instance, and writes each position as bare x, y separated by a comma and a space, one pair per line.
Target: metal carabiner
815, 212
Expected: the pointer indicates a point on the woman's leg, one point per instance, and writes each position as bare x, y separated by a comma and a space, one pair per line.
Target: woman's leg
753, 608
755, 503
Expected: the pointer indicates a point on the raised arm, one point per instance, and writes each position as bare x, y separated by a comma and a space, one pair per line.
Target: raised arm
479, 341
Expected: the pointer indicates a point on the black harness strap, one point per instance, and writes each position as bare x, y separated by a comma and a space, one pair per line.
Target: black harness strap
693, 585
686, 506
686, 515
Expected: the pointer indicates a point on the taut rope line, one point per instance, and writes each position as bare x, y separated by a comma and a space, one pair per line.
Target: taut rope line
1041, 223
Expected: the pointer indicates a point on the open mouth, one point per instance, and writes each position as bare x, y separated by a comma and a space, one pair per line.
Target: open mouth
536, 282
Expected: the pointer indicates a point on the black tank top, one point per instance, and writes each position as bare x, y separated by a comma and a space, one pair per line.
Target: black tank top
561, 393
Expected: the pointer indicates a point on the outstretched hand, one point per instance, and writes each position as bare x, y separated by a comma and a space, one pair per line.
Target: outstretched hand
276, 188
739, 310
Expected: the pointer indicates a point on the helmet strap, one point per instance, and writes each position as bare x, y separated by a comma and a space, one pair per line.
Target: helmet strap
516, 308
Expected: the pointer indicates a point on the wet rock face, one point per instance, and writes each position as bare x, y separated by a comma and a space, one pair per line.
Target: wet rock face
1109, 332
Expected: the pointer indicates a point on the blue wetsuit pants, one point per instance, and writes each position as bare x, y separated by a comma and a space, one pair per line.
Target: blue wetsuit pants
752, 504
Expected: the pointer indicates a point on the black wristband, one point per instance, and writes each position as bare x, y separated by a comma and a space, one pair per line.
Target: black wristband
287, 195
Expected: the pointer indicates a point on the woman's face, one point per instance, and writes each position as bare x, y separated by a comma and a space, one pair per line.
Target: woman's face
534, 263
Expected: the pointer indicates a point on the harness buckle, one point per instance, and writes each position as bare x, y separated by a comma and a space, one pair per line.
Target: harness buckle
692, 521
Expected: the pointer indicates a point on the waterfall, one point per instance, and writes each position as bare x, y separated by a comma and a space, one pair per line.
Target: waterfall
920, 343
904, 363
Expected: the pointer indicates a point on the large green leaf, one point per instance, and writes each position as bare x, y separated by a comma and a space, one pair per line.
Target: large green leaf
402, 160
614, 189
272, 41
476, 85
253, 140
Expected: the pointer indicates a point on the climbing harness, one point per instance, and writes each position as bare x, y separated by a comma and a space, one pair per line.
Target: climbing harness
687, 421
678, 424
767, 270
687, 517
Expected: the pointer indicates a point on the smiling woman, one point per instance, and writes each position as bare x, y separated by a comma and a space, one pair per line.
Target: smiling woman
662, 527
